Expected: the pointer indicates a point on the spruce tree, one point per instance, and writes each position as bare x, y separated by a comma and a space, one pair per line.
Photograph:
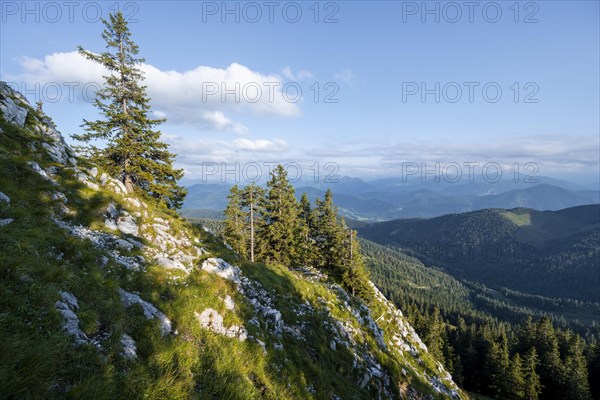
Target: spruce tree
516, 379
497, 364
551, 366
307, 248
594, 371
355, 277
330, 237
434, 334
306, 213
253, 200
281, 216
234, 231
576, 373
532, 386
133, 152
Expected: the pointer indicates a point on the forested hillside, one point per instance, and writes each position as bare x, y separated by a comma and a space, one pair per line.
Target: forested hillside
505, 344
548, 253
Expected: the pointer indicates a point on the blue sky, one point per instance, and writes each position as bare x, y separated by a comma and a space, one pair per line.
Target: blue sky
373, 55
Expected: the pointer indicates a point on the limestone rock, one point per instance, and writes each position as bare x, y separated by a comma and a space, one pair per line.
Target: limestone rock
12, 111
59, 196
150, 311
133, 202
229, 303
70, 320
104, 241
125, 222
221, 268
6, 221
117, 186
170, 264
129, 348
57, 152
103, 179
111, 211
70, 300
210, 319
124, 244
36, 168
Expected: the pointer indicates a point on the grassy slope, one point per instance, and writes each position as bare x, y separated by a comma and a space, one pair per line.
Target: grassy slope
38, 259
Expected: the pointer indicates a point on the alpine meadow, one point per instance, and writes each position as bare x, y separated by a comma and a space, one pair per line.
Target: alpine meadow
327, 200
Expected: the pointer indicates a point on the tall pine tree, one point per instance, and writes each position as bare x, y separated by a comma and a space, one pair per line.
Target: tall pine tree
533, 387
516, 379
330, 237
235, 225
307, 249
281, 216
133, 151
253, 202
355, 276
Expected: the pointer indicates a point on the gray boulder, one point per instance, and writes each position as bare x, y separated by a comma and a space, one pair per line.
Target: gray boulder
170, 264
129, 348
6, 221
221, 268
70, 320
127, 225
150, 311
12, 111
210, 319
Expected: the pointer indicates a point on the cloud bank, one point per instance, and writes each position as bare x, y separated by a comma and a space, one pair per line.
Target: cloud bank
203, 97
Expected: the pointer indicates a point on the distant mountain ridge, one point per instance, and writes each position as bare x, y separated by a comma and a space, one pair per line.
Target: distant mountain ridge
384, 201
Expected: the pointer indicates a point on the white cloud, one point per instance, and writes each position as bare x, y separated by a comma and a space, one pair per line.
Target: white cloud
219, 121
201, 96
60, 67
276, 145
300, 75
551, 152
158, 114
346, 75
197, 150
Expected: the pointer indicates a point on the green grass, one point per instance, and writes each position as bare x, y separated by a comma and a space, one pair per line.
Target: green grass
523, 219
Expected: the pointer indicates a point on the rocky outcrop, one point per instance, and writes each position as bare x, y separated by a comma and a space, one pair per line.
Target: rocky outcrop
41, 172
211, 319
221, 268
254, 293
13, 105
56, 147
4, 198
6, 221
106, 242
66, 307
15, 109
122, 221
129, 347
150, 311
229, 303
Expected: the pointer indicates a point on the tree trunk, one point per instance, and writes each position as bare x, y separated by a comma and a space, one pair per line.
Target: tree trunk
251, 227
351, 255
127, 180
128, 184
